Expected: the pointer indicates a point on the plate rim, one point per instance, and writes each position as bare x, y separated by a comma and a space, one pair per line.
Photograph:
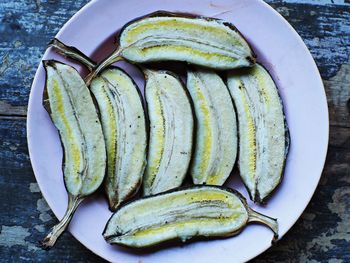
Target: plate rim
309, 58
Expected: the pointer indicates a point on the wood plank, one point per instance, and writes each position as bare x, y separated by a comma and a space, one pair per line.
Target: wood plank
321, 234
24, 215
25, 28
314, 2
325, 31
338, 96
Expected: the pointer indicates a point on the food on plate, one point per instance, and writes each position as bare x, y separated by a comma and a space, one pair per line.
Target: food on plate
167, 36
70, 106
124, 129
263, 132
216, 129
73, 53
191, 130
183, 214
123, 124
171, 131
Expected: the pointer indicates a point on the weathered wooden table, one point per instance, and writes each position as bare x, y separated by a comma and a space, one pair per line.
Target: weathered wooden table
321, 234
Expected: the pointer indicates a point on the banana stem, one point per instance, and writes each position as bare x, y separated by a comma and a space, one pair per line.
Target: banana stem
50, 240
73, 53
114, 57
265, 220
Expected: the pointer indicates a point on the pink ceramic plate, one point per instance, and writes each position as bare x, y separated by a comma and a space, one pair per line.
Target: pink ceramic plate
278, 47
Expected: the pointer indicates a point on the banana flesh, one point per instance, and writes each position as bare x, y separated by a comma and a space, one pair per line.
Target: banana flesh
263, 133
166, 36
182, 214
71, 108
216, 130
171, 132
124, 128
73, 112
201, 41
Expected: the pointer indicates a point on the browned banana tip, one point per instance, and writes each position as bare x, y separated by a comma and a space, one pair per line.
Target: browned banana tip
274, 239
48, 63
45, 244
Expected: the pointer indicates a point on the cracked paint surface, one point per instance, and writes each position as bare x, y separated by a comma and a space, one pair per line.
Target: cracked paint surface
315, 2
15, 236
26, 26
43, 208
34, 188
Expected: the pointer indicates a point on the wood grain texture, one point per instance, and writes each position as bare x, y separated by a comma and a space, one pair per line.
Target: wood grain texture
320, 235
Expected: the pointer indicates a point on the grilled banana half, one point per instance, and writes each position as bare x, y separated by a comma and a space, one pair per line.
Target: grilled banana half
123, 123
182, 214
263, 133
71, 108
197, 40
216, 130
124, 128
171, 132
163, 36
